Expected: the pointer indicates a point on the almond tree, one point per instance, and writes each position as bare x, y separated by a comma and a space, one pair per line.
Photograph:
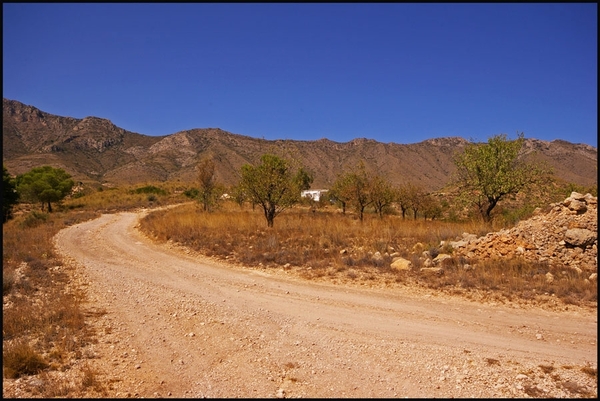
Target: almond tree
273, 185
354, 188
382, 194
410, 197
489, 172
339, 191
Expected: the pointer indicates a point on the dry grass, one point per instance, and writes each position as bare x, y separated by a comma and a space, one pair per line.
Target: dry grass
325, 244
44, 325
515, 279
109, 200
20, 359
43, 322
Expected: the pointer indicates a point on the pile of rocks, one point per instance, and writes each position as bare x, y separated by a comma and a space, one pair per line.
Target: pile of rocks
567, 235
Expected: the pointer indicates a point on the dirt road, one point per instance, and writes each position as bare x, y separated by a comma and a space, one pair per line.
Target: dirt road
182, 325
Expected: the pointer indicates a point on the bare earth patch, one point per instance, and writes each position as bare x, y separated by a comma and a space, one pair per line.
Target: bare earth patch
182, 325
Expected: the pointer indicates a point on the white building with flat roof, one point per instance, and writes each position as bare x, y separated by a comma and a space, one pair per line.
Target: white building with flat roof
314, 194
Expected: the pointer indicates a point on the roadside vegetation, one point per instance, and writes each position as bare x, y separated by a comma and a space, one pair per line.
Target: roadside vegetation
45, 318
350, 236
324, 244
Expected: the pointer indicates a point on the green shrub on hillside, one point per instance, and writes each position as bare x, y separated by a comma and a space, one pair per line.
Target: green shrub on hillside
150, 189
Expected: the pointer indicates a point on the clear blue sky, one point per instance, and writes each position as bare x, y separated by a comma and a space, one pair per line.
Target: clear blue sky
398, 73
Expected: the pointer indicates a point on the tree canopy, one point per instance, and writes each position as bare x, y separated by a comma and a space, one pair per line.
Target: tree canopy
273, 184
354, 188
10, 196
44, 184
489, 172
209, 191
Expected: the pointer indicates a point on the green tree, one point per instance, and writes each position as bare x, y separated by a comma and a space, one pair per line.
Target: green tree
410, 197
416, 196
238, 195
489, 172
304, 179
402, 199
272, 184
10, 196
339, 191
382, 194
431, 206
44, 184
358, 188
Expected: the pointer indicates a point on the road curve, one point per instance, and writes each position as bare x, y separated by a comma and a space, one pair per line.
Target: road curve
202, 328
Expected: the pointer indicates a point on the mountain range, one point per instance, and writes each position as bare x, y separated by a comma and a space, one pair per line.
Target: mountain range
94, 150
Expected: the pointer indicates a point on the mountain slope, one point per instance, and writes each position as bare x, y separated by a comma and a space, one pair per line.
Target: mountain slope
94, 149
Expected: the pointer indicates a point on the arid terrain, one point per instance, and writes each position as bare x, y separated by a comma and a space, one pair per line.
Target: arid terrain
163, 320
176, 324
95, 151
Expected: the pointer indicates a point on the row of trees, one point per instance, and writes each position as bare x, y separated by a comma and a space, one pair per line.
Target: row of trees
360, 189
487, 173
275, 184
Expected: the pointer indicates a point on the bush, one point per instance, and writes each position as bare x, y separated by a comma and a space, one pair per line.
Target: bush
191, 193
20, 359
34, 219
8, 280
150, 189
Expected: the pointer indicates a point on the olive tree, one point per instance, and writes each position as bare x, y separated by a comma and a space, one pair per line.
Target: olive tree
273, 184
489, 172
44, 184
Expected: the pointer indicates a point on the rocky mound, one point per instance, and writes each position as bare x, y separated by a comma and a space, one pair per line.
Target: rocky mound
567, 235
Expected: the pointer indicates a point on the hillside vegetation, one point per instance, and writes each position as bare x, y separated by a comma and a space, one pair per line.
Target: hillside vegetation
95, 151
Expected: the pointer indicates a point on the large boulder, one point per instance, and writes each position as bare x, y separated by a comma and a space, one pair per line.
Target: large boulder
580, 237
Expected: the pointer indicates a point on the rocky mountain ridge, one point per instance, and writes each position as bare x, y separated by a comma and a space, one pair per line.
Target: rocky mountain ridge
95, 150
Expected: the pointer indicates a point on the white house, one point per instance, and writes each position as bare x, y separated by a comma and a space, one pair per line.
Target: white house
314, 194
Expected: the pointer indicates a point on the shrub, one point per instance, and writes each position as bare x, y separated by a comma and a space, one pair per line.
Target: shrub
34, 219
191, 193
8, 280
20, 359
150, 189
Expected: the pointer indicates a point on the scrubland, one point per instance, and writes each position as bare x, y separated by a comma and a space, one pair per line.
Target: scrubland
44, 322
324, 244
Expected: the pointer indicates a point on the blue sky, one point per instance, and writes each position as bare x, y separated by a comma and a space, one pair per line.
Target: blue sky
398, 73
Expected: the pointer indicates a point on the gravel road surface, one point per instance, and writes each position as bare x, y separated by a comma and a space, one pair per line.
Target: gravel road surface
182, 325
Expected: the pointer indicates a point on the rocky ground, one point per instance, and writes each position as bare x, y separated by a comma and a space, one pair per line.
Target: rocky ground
567, 235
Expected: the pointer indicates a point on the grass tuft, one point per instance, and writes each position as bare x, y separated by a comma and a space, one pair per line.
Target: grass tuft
20, 359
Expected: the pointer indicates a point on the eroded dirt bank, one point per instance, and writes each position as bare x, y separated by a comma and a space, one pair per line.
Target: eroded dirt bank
181, 325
